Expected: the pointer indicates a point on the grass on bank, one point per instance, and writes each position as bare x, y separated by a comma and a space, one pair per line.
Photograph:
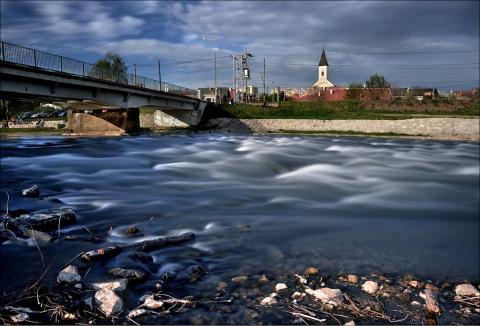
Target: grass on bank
341, 110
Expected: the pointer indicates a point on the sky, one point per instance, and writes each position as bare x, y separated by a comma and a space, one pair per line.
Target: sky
411, 43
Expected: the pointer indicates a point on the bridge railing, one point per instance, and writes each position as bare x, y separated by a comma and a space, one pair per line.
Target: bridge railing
30, 57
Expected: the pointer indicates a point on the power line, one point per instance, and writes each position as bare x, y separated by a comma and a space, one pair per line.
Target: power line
182, 62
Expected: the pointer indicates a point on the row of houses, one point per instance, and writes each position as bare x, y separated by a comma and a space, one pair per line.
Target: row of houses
323, 89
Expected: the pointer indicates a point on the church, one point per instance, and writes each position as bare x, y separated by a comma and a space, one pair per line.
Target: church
323, 81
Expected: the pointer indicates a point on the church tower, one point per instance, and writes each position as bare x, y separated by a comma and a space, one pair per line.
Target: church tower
323, 81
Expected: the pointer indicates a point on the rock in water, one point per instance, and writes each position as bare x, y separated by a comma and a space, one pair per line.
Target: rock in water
33, 191
152, 303
327, 295
280, 287
130, 274
370, 287
269, 301
45, 221
132, 230
69, 275
117, 285
137, 313
431, 302
467, 290
312, 271
352, 278
240, 279
413, 283
101, 253
296, 295
20, 317
263, 280
108, 302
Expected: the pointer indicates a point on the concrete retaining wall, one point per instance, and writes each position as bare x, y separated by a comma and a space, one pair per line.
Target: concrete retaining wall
162, 119
440, 128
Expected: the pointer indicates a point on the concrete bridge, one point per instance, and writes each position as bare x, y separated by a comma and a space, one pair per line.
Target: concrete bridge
31, 74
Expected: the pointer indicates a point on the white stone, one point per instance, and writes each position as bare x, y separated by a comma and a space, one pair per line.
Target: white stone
108, 302
301, 279
136, 313
280, 287
69, 316
415, 303
370, 287
327, 295
269, 301
296, 295
20, 317
467, 290
69, 275
413, 283
117, 285
151, 303
350, 323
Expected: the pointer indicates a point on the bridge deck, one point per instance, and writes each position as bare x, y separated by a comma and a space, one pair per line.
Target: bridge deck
15, 54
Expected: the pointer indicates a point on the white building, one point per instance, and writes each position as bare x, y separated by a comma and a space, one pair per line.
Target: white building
323, 81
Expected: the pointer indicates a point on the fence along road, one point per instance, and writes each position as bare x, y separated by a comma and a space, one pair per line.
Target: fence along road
34, 58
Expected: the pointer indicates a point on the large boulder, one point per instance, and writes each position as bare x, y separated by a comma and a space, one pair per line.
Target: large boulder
33, 191
44, 221
108, 302
116, 285
69, 275
467, 290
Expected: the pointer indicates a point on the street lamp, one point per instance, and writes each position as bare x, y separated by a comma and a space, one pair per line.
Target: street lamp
215, 60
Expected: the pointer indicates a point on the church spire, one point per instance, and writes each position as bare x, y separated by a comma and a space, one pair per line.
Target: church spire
323, 59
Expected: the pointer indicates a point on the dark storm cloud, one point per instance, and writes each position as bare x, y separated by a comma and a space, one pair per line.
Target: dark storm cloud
413, 43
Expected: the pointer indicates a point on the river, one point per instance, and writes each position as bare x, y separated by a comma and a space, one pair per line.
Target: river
257, 204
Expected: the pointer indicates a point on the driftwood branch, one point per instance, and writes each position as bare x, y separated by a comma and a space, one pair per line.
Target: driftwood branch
147, 245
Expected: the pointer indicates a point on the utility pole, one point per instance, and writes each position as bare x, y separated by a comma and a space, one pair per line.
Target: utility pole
134, 74
246, 70
264, 78
284, 91
159, 75
215, 62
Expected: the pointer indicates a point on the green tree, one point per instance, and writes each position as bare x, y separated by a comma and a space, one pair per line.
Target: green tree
354, 91
377, 81
112, 67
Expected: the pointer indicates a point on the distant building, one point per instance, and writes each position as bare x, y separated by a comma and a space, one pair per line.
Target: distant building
471, 93
422, 93
208, 94
252, 90
275, 90
399, 93
323, 81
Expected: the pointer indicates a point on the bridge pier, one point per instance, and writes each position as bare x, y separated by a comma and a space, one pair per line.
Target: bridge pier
103, 121
176, 118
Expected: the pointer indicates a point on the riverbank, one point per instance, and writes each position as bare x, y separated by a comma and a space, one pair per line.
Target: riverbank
426, 128
434, 128
310, 297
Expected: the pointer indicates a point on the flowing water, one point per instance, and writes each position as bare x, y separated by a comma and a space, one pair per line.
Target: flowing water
257, 204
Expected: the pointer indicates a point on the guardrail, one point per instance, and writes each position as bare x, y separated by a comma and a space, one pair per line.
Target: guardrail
30, 57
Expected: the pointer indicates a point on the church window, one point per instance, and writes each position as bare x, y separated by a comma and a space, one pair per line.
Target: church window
323, 73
